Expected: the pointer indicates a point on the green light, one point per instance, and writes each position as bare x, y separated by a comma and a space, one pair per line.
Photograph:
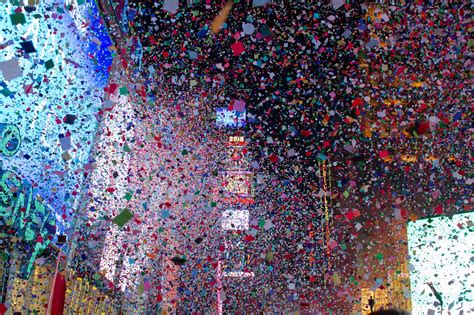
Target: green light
19, 209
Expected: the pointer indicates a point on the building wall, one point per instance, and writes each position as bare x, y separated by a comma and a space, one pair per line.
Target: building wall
29, 295
62, 75
40, 88
84, 298
399, 289
380, 298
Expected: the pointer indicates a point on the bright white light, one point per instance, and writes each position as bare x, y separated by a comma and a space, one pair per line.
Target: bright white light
239, 274
235, 220
38, 109
441, 253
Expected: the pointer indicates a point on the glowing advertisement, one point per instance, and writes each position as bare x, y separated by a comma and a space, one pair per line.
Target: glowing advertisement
238, 183
226, 118
441, 264
236, 258
235, 220
22, 211
236, 141
54, 63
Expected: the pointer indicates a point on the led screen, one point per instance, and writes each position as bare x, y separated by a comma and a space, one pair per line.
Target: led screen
441, 253
235, 220
238, 183
230, 118
236, 257
54, 63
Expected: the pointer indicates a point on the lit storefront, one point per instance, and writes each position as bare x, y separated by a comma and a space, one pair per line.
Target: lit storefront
84, 297
440, 251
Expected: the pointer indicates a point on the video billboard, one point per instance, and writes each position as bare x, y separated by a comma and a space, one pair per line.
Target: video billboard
441, 253
55, 57
54, 63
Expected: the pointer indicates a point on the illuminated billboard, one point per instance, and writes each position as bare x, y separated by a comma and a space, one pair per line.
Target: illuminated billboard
441, 253
22, 210
226, 118
25, 213
237, 257
236, 141
54, 63
235, 220
238, 183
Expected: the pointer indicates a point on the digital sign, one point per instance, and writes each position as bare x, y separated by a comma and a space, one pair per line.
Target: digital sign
54, 63
235, 220
236, 257
55, 60
441, 253
226, 118
23, 211
238, 183
239, 274
10, 139
26, 214
236, 141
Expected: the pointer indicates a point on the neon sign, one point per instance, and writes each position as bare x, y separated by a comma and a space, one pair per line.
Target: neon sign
236, 141
10, 140
20, 210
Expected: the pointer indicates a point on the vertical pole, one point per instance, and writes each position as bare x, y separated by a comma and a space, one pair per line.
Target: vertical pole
219, 287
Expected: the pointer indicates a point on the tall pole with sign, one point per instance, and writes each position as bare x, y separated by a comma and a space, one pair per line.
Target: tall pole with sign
237, 186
